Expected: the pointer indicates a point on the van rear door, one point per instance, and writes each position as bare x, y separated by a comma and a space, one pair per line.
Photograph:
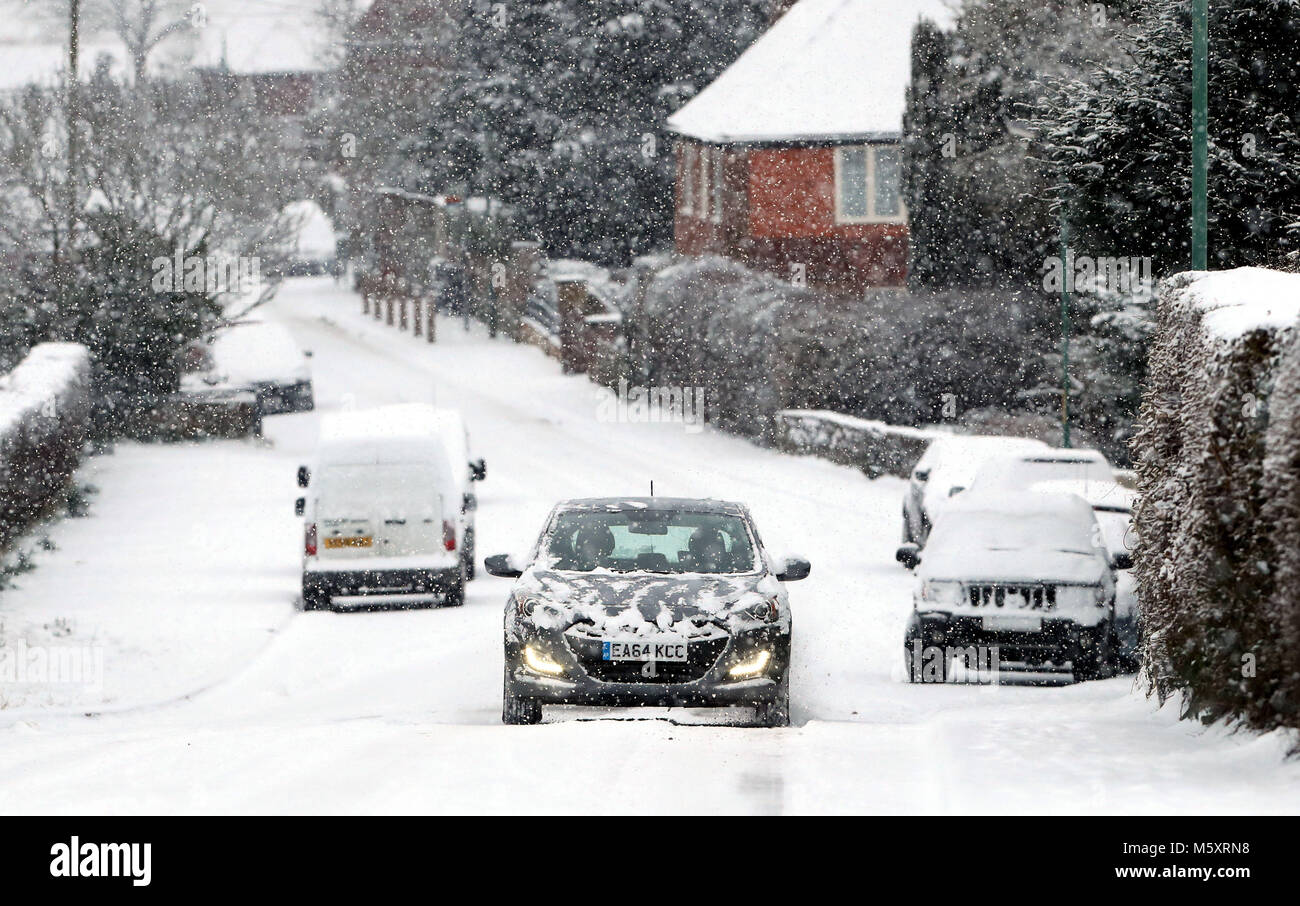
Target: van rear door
378, 510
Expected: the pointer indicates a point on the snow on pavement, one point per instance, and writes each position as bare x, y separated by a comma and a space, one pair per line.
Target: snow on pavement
400, 711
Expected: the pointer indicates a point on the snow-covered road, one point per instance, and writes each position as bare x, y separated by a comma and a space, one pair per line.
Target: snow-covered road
400, 711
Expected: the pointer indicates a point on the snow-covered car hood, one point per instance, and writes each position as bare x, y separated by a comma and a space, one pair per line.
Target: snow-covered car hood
641, 602
974, 566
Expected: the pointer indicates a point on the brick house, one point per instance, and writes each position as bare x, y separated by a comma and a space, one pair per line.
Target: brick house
791, 160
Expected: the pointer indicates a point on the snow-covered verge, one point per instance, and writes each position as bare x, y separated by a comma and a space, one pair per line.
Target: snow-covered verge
183, 567
1218, 450
44, 419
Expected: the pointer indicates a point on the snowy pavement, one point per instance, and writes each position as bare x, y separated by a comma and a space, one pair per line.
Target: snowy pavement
219, 696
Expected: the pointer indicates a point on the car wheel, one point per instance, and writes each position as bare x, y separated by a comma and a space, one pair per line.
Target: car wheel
776, 713
1095, 663
314, 599
456, 595
516, 710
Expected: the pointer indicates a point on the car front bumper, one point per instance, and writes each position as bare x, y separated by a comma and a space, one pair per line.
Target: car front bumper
714, 688
1060, 641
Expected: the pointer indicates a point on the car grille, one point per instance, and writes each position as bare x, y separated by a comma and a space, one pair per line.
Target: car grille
701, 655
1026, 597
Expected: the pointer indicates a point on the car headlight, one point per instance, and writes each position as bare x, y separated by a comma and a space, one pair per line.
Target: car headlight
767, 611
948, 594
539, 661
753, 666
525, 604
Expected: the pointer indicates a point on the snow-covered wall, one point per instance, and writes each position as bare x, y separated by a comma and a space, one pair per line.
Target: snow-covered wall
1218, 461
44, 421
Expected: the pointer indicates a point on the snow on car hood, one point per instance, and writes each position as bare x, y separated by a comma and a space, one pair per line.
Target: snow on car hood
642, 604
974, 566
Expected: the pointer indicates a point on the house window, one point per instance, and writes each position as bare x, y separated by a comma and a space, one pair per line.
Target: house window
706, 155
868, 185
719, 181
688, 180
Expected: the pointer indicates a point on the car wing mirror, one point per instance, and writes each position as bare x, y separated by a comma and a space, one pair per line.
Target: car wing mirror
921, 474
955, 490
477, 470
300, 506
502, 566
304, 476
1122, 560
909, 555
794, 569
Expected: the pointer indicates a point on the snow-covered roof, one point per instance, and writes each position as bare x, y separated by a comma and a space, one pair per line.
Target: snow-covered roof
43, 64
827, 70
1237, 301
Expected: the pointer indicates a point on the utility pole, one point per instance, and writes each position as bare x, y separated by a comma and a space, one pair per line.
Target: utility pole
1200, 133
70, 111
1067, 275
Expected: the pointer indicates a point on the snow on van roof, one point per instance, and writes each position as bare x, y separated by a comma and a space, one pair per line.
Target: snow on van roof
402, 420
828, 69
1237, 301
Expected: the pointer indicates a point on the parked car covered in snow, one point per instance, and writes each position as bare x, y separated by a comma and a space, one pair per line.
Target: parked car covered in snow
648, 601
1021, 471
382, 513
945, 469
254, 357
1020, 573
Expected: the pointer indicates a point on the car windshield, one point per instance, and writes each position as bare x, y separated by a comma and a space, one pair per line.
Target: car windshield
980, 531
650, 541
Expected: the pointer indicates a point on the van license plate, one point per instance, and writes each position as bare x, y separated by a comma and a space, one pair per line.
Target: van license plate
357, 541
1012, 622
654, 648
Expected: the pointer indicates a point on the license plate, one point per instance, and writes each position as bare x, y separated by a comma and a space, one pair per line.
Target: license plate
1012, 622
653, 648
357, 541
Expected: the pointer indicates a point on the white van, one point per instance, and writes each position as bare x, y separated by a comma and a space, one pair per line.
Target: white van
383, 512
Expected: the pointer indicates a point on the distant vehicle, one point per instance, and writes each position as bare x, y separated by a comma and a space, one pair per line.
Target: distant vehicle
648, 601
1112, 504
315, 247
946, 468
383, 512
257, 357
466, 470
1020, 471
1019, 573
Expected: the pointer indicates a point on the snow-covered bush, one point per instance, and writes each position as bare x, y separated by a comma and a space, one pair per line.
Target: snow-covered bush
1218, 609
44, 419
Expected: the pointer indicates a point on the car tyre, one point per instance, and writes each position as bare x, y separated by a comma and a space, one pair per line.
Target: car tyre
518, 710
776, 713
314, 599
1099, 662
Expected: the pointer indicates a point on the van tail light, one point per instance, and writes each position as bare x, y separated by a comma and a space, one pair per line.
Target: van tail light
311, 539
449, 534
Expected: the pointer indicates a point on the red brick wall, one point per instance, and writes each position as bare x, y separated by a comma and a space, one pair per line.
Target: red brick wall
779, 211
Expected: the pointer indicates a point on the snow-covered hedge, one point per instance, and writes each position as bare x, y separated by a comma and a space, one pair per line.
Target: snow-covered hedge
44, 421
1218, 520
756, 345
